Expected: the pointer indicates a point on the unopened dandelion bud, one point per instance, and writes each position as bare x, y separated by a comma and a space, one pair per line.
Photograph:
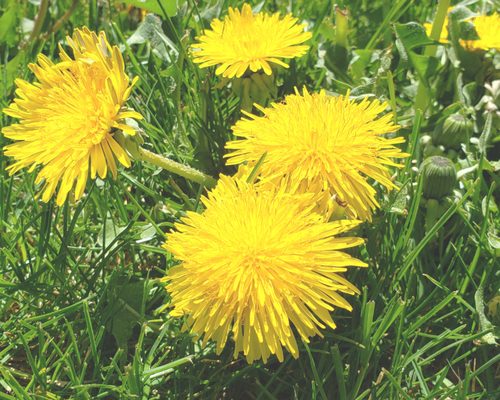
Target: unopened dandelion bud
439, 177
455, 130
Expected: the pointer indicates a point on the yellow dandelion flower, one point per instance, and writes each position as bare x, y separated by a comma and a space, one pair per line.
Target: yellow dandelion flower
259, 267
245, 40
328, 207
488, 29
68, 117
324, 144
443, 37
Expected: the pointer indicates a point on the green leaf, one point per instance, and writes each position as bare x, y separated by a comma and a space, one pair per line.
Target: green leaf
361, 60
8, 23
12, 70
484, 323
425, 66
460, 13
400, 204
486, 134
148, 232
494, 309
408, 37
150, 30
412, 35
124, 307
327, 30
110, 231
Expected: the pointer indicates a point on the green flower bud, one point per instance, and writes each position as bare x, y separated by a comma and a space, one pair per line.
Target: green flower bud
439, 177
455, 130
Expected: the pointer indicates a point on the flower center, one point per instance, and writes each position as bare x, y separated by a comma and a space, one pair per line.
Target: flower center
94, 111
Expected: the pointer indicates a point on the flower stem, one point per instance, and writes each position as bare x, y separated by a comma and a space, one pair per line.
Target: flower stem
61, 20
39, 20
422, 98
341, 38
176, 168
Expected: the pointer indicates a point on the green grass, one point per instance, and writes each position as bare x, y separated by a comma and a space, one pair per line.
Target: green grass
82, 308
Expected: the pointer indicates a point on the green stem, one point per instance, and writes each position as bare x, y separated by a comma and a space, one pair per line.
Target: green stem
422, 98
479, 248
176, 168
62, 20
341, 41
341, 27
39, 20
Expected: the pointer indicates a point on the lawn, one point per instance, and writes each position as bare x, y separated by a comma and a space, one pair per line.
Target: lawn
84, 310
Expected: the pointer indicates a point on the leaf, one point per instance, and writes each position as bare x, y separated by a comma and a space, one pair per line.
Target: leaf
425, 66
150, 30
124, 307
494, 309
484, 323
8, 23
494, 242
110, 232
148, 232
486, 134
361, 60
488, 206
408, 37
460, 13
12, 70
400, 204
412, 35
327, 30
470, 92
172, 75
156, 6
210, 12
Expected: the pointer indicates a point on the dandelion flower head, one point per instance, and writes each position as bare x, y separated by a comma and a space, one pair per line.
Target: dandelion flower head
67, 118
443, 37
260, 267
244, 40
488, 30
327, 144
